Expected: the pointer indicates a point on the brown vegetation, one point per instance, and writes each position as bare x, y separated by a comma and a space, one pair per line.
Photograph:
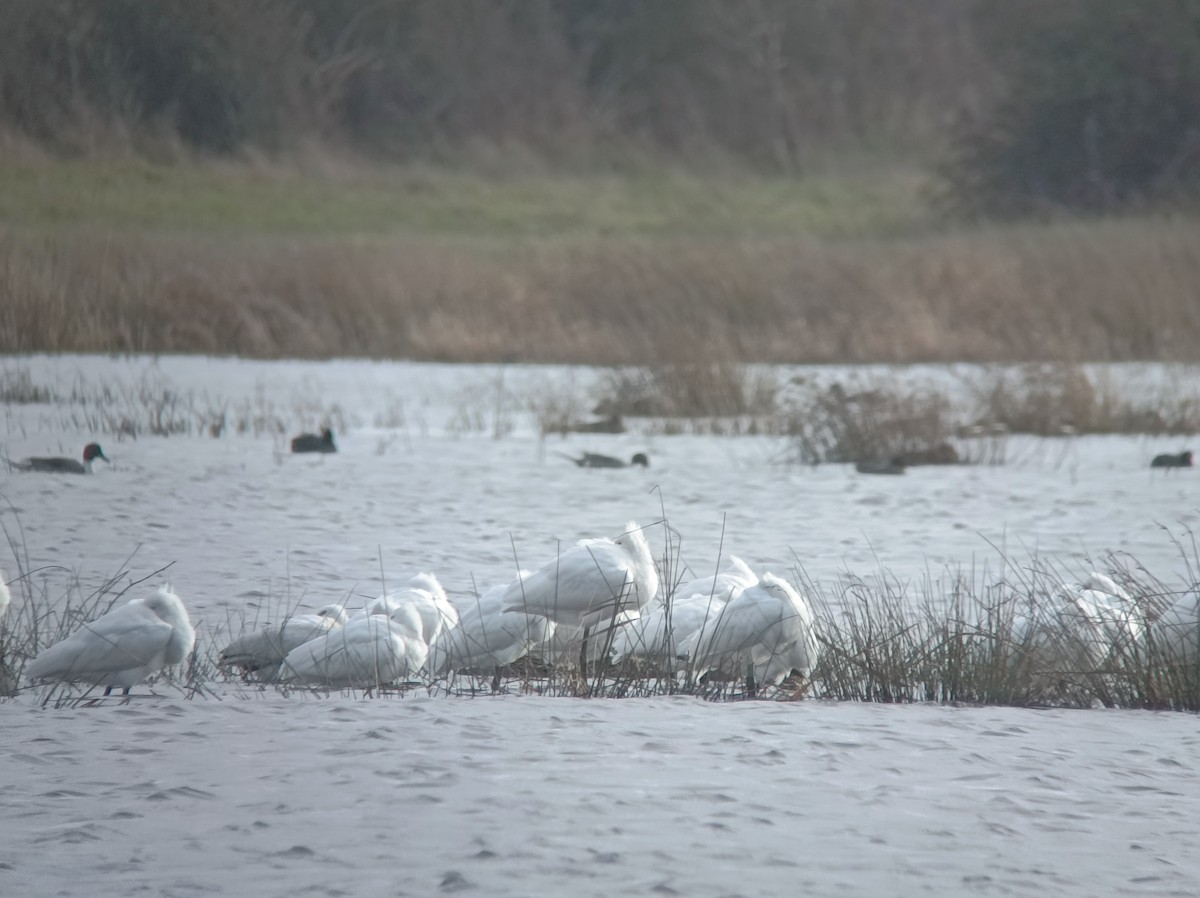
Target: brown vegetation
1056, 293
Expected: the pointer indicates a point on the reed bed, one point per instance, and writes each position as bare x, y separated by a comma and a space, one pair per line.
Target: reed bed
1004, 635
1102, 291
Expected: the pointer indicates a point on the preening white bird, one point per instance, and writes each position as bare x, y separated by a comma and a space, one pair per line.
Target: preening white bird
1085, 627
367, 652
592, 581
487, 636
661, 633
1106, 617
737, 574
766, 631
426, 597
122, 647
261, 652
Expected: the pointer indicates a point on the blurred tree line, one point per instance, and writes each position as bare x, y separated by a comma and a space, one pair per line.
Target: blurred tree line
1077, 103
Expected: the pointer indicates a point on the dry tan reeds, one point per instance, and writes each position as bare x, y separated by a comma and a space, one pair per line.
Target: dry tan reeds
1097, 292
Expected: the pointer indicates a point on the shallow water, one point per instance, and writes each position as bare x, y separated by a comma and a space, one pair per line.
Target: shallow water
248, 792
525, 796
421, 483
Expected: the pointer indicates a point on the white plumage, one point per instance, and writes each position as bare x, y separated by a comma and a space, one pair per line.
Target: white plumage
661, 633
1106, 618
766, 629
426, 597
487, 636
368, 651
721, 585
592, 581
1086, 623
122, 647
261, 652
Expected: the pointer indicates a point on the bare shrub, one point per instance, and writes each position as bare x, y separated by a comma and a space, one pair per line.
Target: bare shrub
1056, 399
878, 420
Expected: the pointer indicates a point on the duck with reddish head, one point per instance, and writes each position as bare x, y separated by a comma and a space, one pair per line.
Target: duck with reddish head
59, 465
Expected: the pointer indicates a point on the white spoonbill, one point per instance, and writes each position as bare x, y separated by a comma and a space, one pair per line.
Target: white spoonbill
368, 651
592, 581
765, 632
721, 585
661, 629
426, 597
1106, 617
261, 652
660, 633
122, 647
1083, 628
487, 636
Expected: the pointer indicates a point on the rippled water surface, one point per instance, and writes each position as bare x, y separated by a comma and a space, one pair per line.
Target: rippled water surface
442, 469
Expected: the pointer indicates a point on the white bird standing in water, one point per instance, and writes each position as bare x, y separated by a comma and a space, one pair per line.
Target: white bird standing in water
1106, 617
765, 632
592, 581
426, 597
488, 637
721, 585
697, 604
122, 647
263, 651
369, 651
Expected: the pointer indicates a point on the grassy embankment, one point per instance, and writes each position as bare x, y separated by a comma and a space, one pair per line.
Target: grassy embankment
849, 265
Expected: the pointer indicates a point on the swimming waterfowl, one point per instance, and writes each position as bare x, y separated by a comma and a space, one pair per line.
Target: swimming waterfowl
596, 460
1169, 460
311, 442
892, 466
120, 648
59, 465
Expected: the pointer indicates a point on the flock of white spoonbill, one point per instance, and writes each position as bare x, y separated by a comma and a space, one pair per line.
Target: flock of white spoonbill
601, 600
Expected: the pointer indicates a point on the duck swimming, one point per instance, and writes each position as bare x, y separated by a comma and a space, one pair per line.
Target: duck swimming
59, 465
892, 466
311, 442
596, 460
1172, 460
